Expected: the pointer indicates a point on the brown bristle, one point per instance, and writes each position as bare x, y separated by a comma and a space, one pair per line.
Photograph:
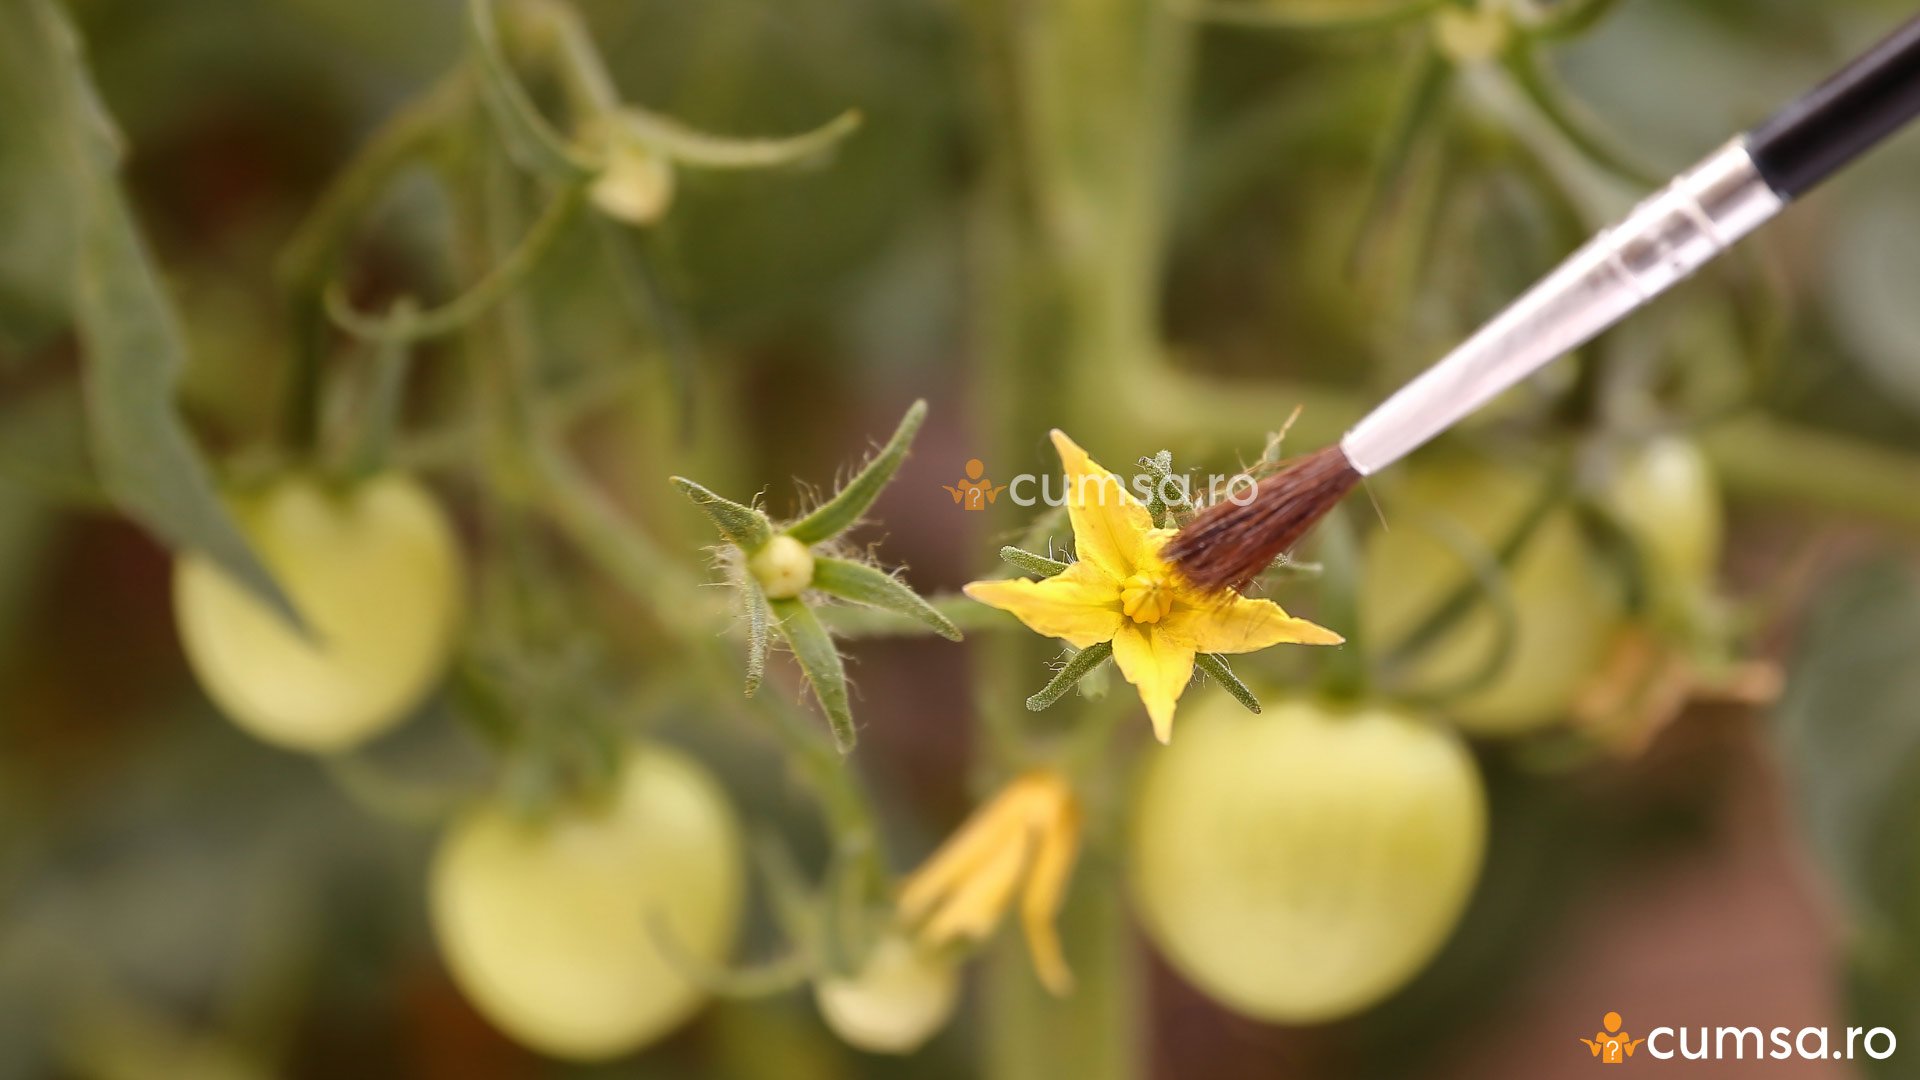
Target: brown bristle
1228, 545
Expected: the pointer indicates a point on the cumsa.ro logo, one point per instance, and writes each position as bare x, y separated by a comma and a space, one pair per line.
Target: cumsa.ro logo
1613, 1046
976, 492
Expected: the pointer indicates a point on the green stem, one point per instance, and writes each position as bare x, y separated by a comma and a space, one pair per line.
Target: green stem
492, 288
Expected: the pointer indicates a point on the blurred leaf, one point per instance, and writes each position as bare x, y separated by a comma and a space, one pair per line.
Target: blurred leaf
841, 512
43, 445
1852, 748
1847, 722
129, 333
863, 584
1873, 263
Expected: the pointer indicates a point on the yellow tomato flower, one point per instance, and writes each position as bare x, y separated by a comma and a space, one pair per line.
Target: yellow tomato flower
1030, 830
1121, 591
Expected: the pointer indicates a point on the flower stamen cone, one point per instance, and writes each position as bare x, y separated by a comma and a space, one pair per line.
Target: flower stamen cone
1023, 841
1122, 592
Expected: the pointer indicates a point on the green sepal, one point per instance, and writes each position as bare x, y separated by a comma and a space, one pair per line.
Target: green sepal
1076, 667
839, 513
817, 657
1031, 563
1216, 667
1159, 508
746, 528
686, 146
863, 584
755, 602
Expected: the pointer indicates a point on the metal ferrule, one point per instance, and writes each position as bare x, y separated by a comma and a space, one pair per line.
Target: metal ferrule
1663, 241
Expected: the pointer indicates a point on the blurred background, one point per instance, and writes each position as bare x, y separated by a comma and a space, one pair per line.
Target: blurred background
1156, 226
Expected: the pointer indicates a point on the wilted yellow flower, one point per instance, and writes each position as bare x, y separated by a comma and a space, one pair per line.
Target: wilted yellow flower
1030, 831
1121, 591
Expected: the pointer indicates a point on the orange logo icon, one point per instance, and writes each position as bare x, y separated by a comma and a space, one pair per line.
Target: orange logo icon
974, 492
1612, 1046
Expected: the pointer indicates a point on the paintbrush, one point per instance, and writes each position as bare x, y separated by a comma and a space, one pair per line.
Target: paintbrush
1665, 239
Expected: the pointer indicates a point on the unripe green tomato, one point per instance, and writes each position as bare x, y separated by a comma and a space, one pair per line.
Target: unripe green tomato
897, 1000
1301, 865
1666, 496
374, 571
1567, 603
552, 929
783, 567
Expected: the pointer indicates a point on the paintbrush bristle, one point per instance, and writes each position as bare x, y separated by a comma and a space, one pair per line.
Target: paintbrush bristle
1228, 544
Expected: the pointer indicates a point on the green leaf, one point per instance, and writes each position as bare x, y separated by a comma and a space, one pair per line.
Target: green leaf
755, 602
818, 658
1070, 673
130, 337
530, 140
1849, 738
1031, 563
863, 584
1215, 665
840, 513
689, 147
748, 529
1851, 749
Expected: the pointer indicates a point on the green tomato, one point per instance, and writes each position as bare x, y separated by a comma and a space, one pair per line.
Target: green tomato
897, 1000
1567, 604
1664, 493
1301, 865
784, 567
553, 929
375, 572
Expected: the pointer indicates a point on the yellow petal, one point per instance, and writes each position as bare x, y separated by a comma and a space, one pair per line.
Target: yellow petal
1237, 624
1159, 664
995, 826
1080, 604
1110, 526
971, 910
1046, 888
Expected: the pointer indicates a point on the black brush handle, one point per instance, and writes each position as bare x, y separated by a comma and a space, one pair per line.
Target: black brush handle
1842, 118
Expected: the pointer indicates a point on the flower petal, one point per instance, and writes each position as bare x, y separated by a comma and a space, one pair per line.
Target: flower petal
994, 826
1081, 604
973, 909
1059, 843
1159, 664
1110, 526
1237, 624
